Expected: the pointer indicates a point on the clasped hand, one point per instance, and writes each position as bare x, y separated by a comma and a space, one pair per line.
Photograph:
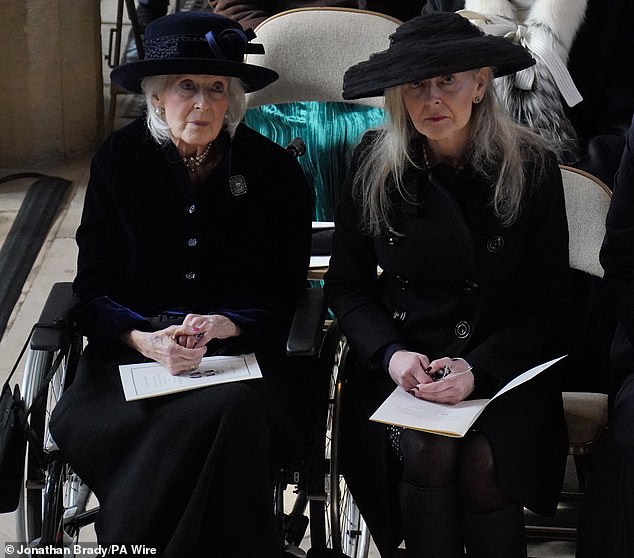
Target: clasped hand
413, 372
181, 348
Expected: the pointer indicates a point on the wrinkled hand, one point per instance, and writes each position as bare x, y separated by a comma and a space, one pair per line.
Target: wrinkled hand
408, 369
199, 329
452, 389
162, 346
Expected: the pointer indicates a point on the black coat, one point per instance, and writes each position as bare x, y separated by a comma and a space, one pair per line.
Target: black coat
184, 473
457, 283
617, 258
150, 241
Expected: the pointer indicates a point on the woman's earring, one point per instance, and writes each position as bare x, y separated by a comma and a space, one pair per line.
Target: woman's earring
158, 111
477, 100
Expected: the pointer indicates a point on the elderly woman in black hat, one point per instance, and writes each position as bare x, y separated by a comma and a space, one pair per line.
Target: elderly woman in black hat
463, 212
194, 240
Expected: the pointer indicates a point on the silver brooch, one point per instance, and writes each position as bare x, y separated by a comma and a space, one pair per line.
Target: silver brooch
237, 185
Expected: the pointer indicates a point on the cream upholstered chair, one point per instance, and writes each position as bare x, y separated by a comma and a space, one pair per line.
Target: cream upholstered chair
587, 201
311, 48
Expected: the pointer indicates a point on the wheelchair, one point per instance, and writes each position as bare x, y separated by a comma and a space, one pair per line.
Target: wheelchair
53, 500
55, 505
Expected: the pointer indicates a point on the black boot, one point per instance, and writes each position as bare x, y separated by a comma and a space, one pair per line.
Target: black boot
499, 534
431, 521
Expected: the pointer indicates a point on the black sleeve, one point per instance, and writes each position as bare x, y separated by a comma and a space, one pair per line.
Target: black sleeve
617, 253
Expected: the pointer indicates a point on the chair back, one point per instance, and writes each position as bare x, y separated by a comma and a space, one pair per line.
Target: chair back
311, 48
587, 203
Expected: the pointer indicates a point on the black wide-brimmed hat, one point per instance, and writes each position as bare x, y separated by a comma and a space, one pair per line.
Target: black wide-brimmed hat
437, 44
195, 43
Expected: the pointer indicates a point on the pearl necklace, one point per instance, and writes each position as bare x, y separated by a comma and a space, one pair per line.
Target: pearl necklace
192, 163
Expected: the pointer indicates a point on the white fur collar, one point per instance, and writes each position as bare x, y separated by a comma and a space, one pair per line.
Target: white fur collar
562, 18
534, 96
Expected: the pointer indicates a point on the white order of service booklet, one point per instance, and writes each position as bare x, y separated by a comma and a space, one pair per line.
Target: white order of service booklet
404, 409
150, 379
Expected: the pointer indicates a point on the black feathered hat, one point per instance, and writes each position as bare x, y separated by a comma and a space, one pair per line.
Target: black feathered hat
195, 43
437, 44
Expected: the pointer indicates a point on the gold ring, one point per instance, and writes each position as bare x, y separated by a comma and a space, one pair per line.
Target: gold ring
193, 367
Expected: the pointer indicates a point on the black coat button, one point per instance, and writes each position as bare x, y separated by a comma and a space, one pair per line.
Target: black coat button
495, 243
462, 330
393, 239
470, 286
399, 315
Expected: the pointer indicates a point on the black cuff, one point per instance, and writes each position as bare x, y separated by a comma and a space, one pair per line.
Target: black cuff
485, 385
388, 353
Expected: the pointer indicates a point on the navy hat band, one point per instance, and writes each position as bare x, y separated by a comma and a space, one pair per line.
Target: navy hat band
231, 44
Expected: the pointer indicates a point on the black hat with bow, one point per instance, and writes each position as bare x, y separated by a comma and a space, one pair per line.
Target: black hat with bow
437, 44
199, 43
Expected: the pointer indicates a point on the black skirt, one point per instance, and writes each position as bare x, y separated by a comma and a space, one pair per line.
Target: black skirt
525, 427
189, 473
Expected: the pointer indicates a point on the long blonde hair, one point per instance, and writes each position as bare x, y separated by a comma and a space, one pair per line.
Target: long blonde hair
498, 150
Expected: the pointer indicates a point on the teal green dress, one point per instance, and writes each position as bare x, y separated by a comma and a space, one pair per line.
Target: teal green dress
329, 130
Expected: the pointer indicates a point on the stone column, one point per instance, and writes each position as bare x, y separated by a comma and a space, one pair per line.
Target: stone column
51, 92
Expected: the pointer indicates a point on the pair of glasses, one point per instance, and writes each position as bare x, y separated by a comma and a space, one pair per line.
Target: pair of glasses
446, 370
205, 373
440, 374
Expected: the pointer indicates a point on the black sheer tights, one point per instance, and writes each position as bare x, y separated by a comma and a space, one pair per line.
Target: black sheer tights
432, 461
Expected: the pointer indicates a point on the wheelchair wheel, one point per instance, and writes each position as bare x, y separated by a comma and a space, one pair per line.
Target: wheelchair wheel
52, 495
348, 533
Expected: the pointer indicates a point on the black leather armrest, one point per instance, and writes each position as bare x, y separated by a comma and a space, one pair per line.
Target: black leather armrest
306, 330
50, 334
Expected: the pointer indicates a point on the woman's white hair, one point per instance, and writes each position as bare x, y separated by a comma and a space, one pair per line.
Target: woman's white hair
153, 86
498, 149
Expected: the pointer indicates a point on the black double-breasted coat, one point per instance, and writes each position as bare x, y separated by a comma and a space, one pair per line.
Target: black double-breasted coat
184, 473
456, 282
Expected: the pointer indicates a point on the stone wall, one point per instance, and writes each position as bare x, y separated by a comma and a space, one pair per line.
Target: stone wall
51, 97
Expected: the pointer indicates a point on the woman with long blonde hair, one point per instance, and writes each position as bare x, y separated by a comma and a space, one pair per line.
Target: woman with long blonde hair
462, 211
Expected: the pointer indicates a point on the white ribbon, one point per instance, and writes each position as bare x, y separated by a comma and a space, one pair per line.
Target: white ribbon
525, 36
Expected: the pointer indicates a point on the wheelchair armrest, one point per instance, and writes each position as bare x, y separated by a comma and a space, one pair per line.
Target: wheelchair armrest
49, 333
307, 326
